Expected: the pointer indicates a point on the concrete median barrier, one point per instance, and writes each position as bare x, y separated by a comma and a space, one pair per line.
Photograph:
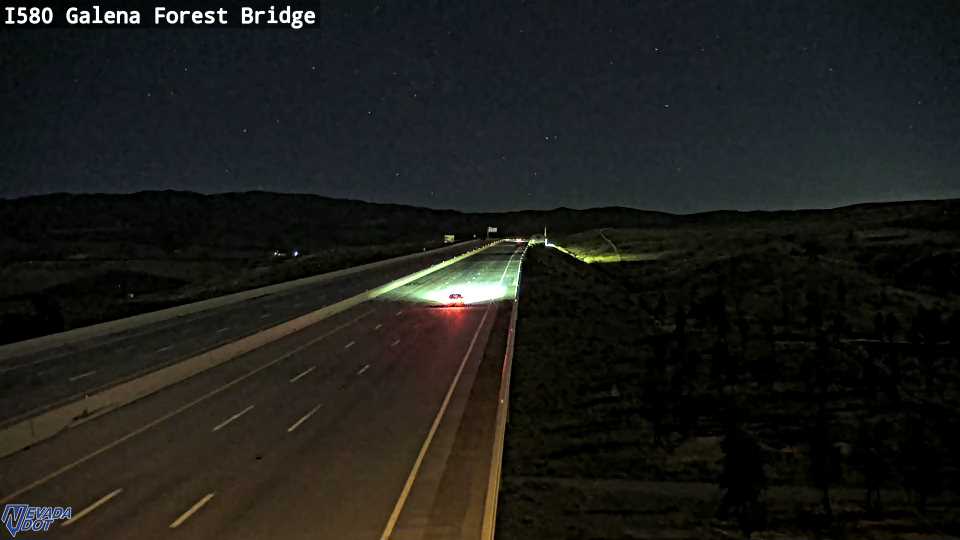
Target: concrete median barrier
42, 343
29, 431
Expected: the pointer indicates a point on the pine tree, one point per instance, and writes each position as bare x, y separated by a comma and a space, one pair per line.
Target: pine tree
870, 459
842, 292
920, 462
824, 458
680, 324
656, 391
660, 311
878, 327
813, 310
925, 333
953, 328
891, 326
742, 479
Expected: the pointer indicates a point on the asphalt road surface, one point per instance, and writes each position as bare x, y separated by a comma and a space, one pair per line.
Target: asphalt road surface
326, 433
32, 382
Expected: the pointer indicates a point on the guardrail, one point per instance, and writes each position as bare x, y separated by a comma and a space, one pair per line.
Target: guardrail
489, 523
34, 429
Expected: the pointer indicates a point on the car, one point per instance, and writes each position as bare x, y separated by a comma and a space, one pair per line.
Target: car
455, 299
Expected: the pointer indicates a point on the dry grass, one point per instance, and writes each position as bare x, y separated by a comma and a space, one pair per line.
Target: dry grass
607, 395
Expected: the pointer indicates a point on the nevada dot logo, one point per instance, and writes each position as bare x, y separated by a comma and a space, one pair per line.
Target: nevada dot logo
18, 518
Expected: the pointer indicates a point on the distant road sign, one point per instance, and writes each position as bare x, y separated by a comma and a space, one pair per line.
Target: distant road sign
491, 229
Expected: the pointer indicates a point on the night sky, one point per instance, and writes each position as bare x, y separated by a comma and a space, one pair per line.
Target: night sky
499, 105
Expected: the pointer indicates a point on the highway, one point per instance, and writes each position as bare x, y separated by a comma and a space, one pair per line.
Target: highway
351, 428
31, 382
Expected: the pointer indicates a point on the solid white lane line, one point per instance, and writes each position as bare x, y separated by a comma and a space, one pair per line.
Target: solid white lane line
166, 348
507, 267
304, 418
392, 522
100, 502
222, 330
82, 375
364, 368
298, 377
232, 418
348, 345
193, 510
152, 424
395, 343
377, 327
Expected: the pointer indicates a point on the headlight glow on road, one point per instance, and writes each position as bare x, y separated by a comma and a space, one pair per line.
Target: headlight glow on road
473, 293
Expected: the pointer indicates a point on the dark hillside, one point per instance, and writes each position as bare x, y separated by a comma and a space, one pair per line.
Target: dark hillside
68, 260
185, 224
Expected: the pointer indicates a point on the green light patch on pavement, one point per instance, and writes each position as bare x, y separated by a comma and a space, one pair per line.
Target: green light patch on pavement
473, 293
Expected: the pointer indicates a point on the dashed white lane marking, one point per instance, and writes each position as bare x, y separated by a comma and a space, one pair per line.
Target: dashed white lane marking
165, 348
392, 521
399, 313
222, 330
304, 418
300, 376
507, 267
348, 345
363, 369
377, 327
232, 418
193, 510
265, 315
395, 343
81, 376
100, 502
179, 410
